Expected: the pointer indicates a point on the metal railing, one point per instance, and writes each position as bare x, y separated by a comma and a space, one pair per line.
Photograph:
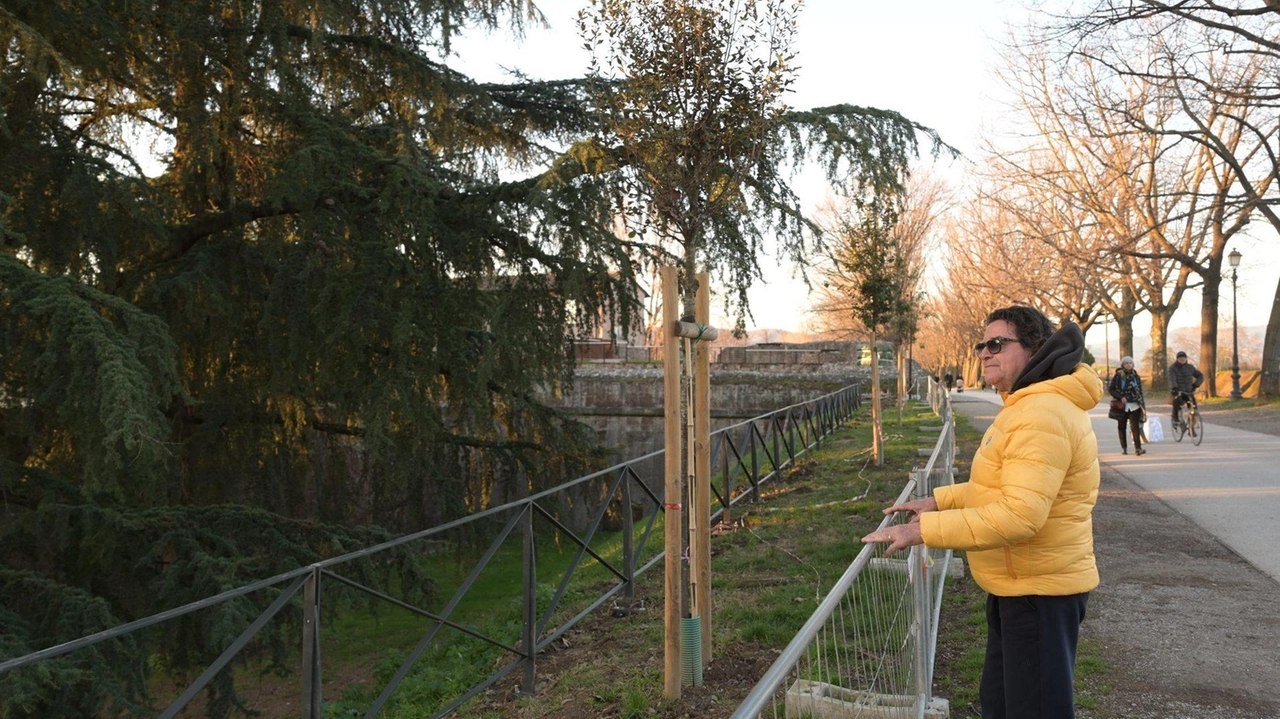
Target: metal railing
867, 652
556, 592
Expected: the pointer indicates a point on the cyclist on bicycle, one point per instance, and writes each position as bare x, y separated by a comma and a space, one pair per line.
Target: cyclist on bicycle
1184, 378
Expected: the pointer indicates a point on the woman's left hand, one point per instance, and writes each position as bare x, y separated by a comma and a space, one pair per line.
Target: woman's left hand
899, 536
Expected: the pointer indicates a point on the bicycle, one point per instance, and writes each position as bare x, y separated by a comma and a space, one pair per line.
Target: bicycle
1187, 420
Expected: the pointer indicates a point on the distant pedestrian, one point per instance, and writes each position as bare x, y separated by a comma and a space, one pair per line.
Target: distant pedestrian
1126, 389
1025, 517
949, 380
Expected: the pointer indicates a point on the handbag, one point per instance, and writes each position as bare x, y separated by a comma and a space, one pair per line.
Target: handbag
1117, 409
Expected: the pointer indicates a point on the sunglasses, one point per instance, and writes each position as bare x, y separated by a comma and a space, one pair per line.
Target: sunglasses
995, 345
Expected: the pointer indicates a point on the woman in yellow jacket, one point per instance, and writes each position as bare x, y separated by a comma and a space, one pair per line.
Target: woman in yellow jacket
1025, 515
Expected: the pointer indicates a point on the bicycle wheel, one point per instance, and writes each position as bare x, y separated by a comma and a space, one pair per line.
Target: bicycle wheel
1196, 429
1180, 424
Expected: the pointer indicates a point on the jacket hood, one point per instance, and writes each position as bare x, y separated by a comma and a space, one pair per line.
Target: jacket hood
1082, 388
1059, 356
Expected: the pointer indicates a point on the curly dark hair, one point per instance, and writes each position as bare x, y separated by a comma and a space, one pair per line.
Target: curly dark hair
1033, 327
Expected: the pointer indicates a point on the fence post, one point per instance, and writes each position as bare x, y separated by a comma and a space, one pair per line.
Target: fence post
792, 435
755, 465
530, 639
777, 430
918, 566
312, 697
628, 551
727, 518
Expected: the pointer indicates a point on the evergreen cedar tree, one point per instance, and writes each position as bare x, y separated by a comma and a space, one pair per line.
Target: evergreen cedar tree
325, 310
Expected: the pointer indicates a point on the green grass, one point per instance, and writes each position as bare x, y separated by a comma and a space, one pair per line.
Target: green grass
1092, 670
962, 636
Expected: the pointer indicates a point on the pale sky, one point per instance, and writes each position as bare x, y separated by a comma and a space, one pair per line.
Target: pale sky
930, 60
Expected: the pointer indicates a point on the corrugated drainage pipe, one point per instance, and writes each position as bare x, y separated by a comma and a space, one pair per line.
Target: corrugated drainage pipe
691, 651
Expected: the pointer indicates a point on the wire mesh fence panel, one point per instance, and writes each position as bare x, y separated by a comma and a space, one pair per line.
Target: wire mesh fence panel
867, 651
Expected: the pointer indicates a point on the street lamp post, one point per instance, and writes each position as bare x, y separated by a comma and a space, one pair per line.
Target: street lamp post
1234, 260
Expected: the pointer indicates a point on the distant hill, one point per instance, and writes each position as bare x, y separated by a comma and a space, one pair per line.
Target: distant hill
1182, 338
758, 336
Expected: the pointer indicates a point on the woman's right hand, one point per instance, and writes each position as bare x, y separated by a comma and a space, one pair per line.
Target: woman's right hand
915, 507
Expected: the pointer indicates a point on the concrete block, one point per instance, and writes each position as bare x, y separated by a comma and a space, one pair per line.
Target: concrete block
818, 700
930, 428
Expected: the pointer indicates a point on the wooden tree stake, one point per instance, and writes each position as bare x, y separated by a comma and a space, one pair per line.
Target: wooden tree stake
672, 497
702, 461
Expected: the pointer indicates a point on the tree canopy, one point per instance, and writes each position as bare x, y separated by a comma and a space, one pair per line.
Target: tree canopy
262, 254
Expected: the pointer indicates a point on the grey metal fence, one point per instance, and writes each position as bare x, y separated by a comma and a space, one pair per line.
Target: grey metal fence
569, 568
867, 652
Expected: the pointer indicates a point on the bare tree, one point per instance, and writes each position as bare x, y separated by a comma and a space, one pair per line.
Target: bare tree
1241, 40
1209, 122
952, 322
1110, 140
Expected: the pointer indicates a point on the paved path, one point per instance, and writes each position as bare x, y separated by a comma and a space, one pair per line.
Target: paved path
1229, 485
1187, 616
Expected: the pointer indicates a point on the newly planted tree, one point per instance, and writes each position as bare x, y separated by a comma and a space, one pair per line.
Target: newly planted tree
873, 272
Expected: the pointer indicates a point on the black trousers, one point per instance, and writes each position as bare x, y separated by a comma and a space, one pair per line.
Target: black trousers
1178, 401
1134, 420
1031, 656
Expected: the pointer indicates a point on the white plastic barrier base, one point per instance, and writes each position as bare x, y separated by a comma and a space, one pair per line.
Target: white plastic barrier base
815, 700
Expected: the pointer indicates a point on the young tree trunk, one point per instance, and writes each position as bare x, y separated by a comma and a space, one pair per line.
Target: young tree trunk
877, 437
1159, 350
1209, 330
1269, 382
901, 355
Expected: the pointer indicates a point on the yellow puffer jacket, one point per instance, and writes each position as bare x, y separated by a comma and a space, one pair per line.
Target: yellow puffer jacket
1025, 515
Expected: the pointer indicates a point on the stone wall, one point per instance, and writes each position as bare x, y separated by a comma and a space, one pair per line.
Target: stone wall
625, 404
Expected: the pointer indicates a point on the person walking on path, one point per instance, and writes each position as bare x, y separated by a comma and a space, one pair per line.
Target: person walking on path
1025, 515
1184, 379
1126, 388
